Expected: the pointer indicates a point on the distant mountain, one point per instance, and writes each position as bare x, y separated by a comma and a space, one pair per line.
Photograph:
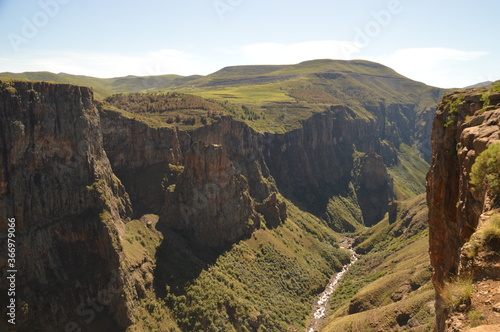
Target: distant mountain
104, 87
313, 72
479, 85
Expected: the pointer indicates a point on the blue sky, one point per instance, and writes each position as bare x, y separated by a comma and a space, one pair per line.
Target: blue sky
446, 43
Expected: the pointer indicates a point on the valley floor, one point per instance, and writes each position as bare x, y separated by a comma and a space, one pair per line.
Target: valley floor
322, 305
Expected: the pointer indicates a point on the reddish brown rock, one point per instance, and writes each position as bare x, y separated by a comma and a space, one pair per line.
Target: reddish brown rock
461, 131
211, 202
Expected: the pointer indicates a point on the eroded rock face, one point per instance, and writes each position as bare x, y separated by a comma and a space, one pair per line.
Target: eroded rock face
375, 189
211, 202
273, 210
143, 157
245, 148
314, 163
139, 155
56, 181
462, 129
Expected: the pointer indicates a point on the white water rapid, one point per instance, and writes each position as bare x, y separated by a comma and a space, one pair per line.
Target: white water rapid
321, 305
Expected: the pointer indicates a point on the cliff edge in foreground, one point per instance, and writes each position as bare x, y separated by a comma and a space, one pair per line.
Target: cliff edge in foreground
462, 199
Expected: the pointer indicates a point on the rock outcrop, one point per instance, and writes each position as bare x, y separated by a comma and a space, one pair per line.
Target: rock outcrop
245, 148
139, 155
211, 202
374, 188
224, 158
56, 181
463, 128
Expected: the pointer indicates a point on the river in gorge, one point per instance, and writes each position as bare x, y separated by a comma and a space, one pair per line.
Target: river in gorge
322, 304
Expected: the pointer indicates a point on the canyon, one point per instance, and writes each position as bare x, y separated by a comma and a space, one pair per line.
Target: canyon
225, 214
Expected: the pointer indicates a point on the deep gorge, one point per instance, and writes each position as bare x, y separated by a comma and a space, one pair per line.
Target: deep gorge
219, 226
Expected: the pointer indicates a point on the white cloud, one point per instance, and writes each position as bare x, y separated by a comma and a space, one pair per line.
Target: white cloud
276, 53
443, 67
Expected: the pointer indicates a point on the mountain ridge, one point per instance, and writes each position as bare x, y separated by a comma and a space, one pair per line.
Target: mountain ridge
104, 86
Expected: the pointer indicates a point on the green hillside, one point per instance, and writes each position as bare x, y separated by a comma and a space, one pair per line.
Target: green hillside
284, 94
389, 288
105, 87
265, 283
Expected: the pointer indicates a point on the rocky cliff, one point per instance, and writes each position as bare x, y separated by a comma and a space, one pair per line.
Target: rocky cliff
139, 155
210, 202
198, 180
374, 188
321, 160
319, 157
465, 124
57, 183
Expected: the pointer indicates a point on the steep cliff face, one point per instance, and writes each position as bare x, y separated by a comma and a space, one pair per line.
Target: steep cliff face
57, 183
463, 128
310, 165
245, 148
207, 170
423, 131
139, 155
375, 188
210, 202
320, 158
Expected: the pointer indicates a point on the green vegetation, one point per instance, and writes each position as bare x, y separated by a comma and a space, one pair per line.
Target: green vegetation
490, 232
258, 94
265, 283
139, 247
343, 213
141, 239
452, 103
457, 292
485, 173
393, 317
487, 236
409, 173
161, 103
485, 98
168, 109
475, 317
105, 87
390, 284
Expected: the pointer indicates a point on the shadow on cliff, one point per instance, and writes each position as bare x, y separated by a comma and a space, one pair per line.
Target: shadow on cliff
180, 260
